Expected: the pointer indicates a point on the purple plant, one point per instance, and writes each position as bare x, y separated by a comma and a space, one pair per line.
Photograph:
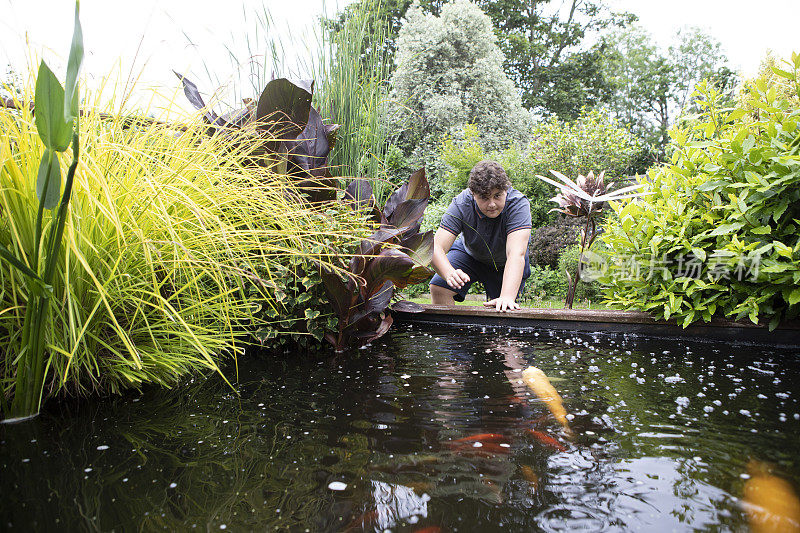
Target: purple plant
394, 256
584, 197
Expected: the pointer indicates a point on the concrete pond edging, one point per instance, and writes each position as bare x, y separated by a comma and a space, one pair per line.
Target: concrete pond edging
786, 335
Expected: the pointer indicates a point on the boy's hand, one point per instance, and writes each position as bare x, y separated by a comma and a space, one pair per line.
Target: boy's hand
502, 304
457, 278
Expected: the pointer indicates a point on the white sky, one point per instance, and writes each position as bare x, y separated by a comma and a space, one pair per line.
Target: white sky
746, 29
161, 31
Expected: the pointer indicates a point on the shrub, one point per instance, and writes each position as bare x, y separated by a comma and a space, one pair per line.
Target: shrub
548, 242
544, 283
720, 233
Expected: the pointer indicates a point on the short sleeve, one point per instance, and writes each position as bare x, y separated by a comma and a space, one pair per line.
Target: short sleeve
452, 220
519, 215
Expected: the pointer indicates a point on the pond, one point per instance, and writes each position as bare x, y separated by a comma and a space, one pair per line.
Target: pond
430, 429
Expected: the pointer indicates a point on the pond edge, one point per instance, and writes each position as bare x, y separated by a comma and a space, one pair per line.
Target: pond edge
786, 335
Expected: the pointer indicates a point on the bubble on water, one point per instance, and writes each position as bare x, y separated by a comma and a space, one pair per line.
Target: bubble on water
173, 485
477, 445
708, 408
405, 376
102, 447
782, 395
337, 485
682, 401
88, 469
594, 369
505, 445
673, 379
744, 475
744, 412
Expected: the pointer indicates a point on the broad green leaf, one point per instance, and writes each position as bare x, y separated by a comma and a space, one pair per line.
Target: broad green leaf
727, 228
71, 100
48, 181
54, 131
782, 73
794, 296
762, 230
782, 249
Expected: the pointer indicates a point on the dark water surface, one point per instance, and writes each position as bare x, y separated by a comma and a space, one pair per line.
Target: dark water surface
660, 437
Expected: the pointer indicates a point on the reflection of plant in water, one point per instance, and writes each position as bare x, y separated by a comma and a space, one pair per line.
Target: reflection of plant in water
188, 461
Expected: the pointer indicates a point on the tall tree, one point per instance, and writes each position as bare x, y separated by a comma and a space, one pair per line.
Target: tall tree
546, 55
654, 86
450, 73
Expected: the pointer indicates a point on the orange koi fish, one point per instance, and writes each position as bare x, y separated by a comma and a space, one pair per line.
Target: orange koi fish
483, 437
544, 438
772, 505
429, 529
530, 476
537, 381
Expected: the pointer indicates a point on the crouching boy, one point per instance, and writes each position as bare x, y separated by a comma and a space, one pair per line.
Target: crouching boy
483, 236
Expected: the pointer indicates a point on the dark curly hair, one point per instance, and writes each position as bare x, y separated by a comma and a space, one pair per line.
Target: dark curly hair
486, 176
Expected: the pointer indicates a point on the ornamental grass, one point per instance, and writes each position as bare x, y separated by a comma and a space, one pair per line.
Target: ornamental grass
166, 227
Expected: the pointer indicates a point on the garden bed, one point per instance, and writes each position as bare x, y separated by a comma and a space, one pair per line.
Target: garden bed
612, 321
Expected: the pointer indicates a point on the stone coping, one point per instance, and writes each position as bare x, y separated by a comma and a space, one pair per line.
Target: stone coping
594, 320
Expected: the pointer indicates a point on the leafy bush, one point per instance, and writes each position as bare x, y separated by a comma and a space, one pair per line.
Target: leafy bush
568, 262
720, 233
548, 242
544, 283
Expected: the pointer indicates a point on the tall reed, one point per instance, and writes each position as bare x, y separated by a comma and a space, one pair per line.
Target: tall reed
353, 73
350, 68
163, 231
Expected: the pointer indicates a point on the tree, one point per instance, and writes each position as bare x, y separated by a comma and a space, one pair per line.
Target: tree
544, 54
653, 86
543, 47
450, 73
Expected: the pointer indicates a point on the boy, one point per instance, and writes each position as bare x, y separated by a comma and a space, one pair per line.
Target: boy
494, 221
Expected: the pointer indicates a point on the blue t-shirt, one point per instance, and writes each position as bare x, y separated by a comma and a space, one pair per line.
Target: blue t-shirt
485, 238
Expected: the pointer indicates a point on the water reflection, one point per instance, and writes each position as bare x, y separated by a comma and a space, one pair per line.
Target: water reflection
433, 428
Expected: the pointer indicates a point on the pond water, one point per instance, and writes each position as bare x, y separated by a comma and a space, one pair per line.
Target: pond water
659, 438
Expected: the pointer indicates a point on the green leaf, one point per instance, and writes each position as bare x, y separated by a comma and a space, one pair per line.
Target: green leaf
727, 228
54, 131
761, 230
48, 181
794, 296
783, 73
71, 100
782, 249
311, 314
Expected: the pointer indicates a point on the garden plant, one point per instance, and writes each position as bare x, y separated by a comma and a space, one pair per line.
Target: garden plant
718, 235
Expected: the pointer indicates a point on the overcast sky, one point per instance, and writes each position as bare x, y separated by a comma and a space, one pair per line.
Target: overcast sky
152, 37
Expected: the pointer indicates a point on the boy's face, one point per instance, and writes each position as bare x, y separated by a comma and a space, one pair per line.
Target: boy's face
491, 205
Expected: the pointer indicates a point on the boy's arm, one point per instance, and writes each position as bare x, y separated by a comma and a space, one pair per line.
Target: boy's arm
442, 241
516, 244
